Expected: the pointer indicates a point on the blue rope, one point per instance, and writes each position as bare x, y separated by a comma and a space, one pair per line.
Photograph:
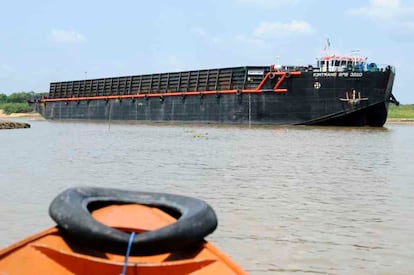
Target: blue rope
131, 238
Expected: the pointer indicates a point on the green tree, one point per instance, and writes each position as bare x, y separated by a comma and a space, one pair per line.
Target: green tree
18, 102
9, 108
21, 97
3, 98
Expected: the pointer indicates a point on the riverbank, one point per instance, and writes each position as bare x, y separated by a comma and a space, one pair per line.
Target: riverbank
20, 115
401, 114
391, 118
400, 120
6, 123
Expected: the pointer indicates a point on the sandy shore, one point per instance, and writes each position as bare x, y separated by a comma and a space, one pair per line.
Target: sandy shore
400, 120
20, 115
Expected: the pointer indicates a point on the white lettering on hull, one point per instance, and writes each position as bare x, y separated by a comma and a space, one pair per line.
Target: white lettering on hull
255, 72
340, 74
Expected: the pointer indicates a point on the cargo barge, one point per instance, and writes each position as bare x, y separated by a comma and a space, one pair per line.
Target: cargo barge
339, 90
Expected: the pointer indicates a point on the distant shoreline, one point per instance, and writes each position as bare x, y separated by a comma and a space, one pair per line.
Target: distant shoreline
20, 115
400, 120
38, 116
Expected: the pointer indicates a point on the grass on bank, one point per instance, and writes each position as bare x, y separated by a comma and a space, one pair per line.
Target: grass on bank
401, 112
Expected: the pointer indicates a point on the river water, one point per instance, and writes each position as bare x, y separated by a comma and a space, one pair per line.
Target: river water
290, 200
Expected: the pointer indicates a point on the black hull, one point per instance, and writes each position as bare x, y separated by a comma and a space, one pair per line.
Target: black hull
303, 103
374, 116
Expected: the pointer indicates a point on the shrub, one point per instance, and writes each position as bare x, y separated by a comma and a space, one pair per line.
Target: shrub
18, 97
3, 98
9, 108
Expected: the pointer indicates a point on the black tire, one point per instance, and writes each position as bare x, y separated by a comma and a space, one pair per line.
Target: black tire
71, 211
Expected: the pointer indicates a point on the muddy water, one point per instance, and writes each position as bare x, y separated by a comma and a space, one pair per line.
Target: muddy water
290, 200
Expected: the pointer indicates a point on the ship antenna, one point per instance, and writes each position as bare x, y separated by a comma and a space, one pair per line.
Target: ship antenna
278, 66
355, 54
327, 46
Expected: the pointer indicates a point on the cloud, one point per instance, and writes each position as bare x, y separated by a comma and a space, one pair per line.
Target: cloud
67, 36
385, 10
394, 16
275, 29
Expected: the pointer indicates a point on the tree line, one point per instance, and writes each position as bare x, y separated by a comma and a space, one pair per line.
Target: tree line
17, 102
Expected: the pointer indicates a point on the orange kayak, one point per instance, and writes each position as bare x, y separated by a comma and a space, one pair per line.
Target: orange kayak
111, 231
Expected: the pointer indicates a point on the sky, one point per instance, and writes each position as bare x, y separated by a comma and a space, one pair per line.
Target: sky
46, 41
